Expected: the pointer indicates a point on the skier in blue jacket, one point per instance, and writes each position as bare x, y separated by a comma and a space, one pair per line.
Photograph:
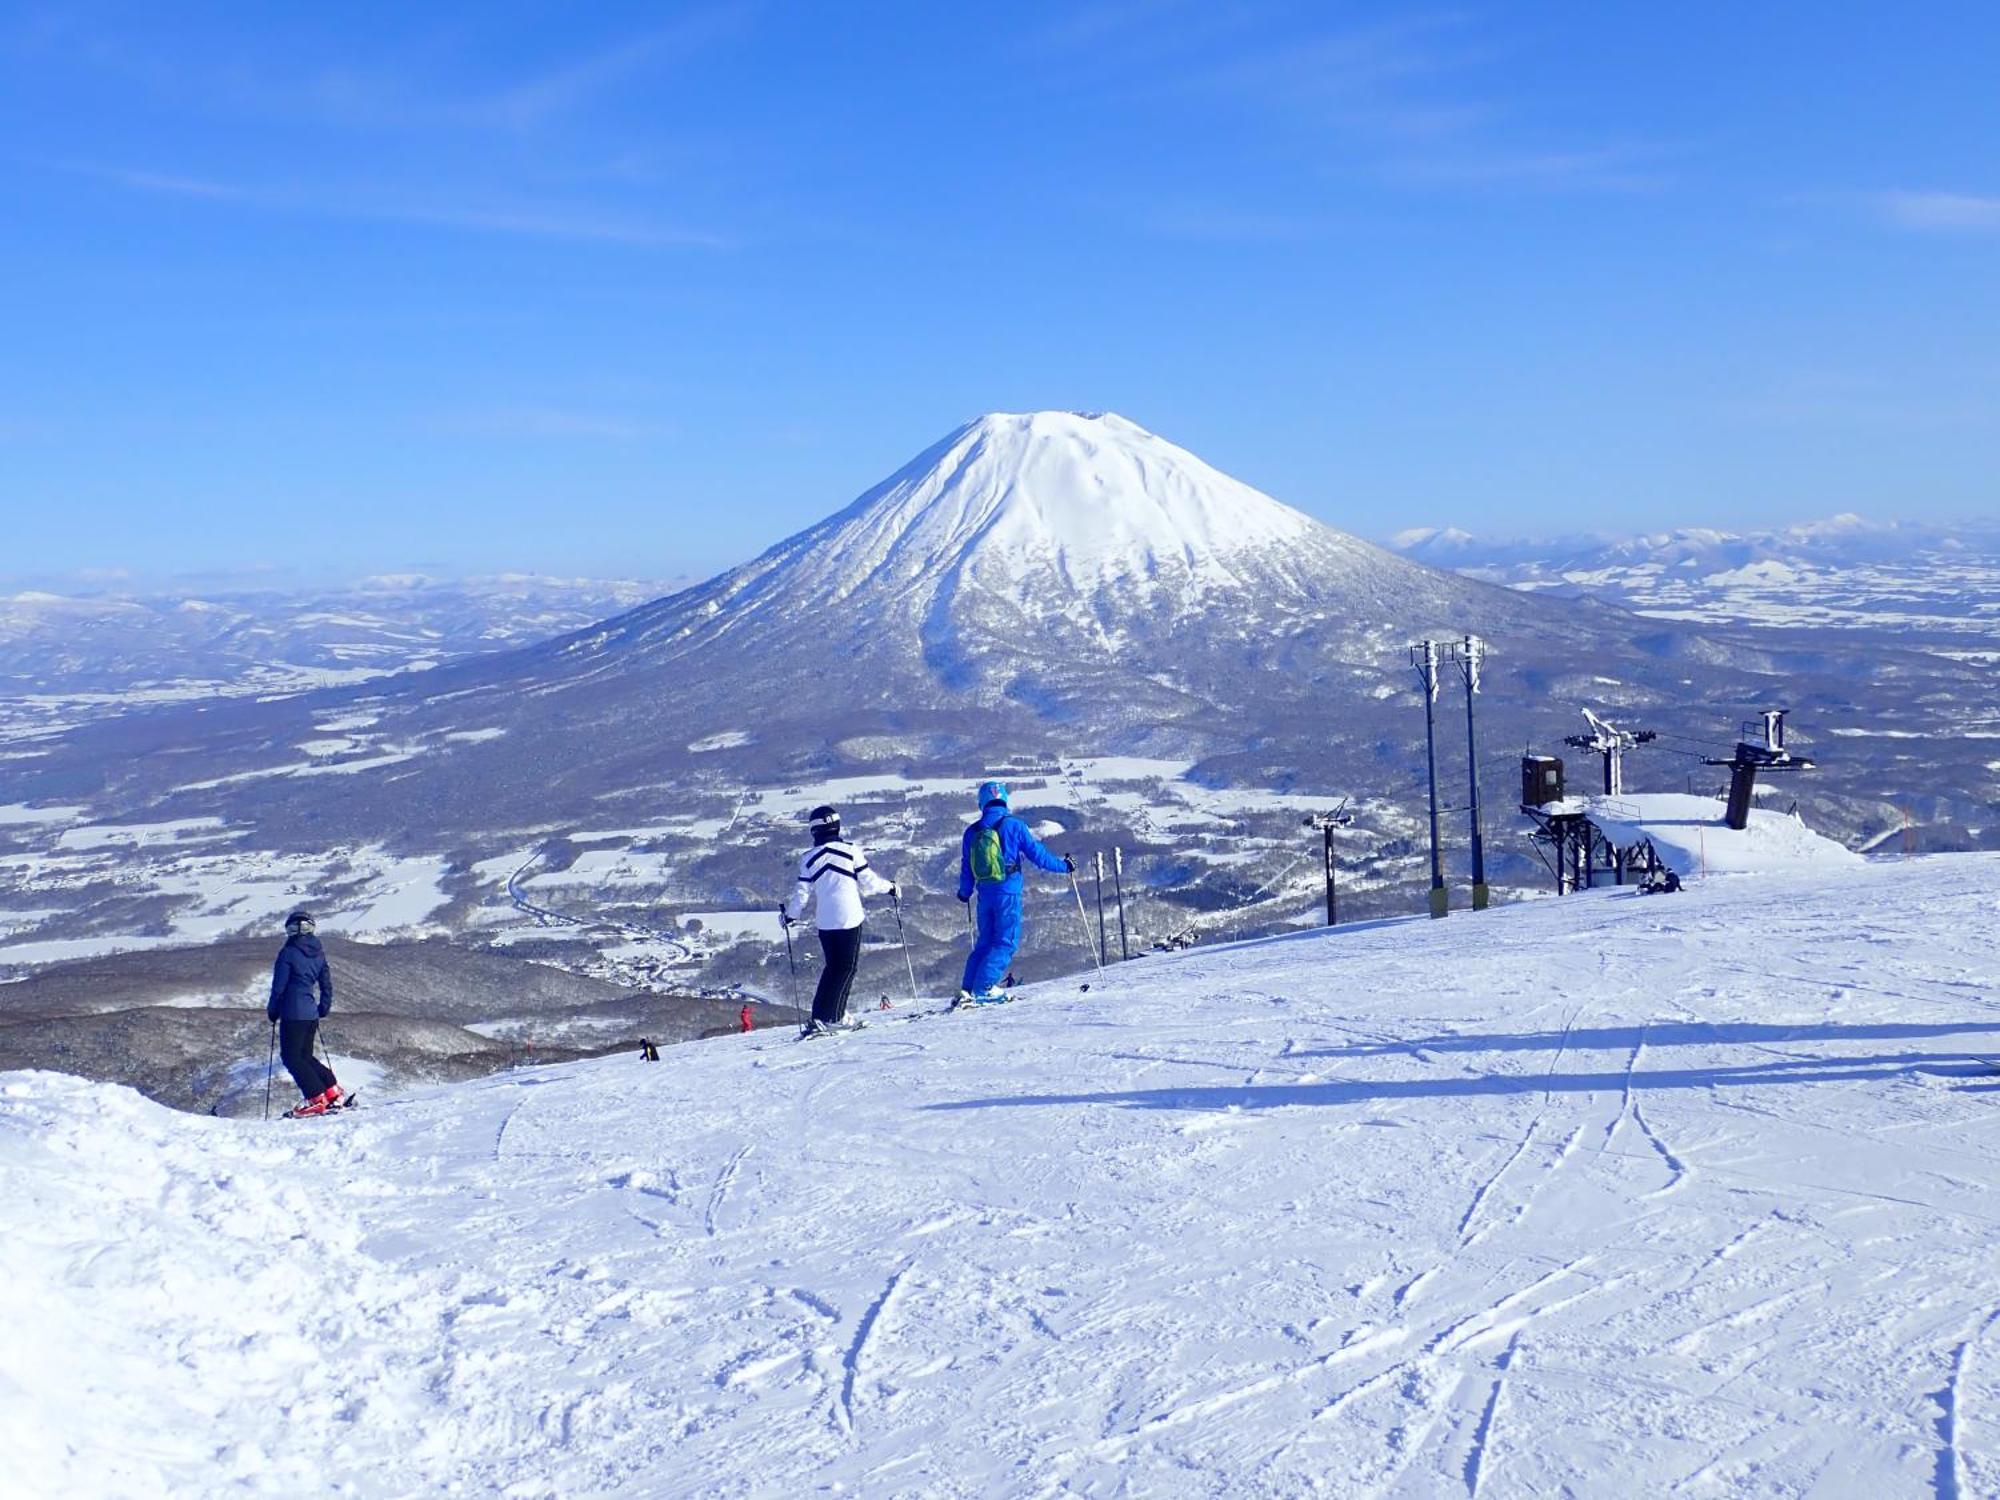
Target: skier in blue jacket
301, 995
990, 860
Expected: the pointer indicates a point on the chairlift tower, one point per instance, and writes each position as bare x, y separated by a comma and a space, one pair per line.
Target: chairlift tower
1326, 822
1611, 742
1424, 656
1750, 758
1471, 655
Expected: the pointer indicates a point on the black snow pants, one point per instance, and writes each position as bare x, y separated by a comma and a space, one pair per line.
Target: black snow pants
842, 947
295, 1046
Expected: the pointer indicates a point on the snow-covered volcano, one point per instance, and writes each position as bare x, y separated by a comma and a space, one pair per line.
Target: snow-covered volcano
1026, 553
1032, 585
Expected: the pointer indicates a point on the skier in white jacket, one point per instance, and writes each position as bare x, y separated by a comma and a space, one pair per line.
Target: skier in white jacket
834, 873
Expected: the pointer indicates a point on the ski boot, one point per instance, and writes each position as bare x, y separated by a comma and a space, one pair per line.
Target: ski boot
313, 1106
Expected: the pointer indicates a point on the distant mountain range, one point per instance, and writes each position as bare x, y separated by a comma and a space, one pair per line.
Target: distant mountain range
1845, 540
1903, 576
67, 656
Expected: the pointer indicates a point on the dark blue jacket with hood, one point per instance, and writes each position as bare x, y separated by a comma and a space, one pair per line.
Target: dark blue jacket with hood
301, 983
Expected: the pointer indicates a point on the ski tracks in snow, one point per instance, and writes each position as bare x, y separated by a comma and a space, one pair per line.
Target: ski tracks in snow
851, 1362
1959, 1472
724, 1180
1481, 1461
1630, 1109
1135, 1242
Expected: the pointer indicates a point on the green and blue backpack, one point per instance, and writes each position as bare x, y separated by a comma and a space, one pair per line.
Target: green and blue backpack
987, 866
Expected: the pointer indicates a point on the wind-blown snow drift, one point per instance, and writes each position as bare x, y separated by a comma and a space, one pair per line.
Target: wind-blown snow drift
1607, 1196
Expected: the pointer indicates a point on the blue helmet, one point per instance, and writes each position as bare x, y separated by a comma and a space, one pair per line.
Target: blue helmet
991, 792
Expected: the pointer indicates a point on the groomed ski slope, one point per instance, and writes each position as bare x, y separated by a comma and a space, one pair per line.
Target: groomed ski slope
1613, 1195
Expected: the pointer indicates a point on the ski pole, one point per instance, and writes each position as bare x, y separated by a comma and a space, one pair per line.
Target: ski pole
1084, 917
792, 963
270, 1066
896, 902
1103, 948
1118, 885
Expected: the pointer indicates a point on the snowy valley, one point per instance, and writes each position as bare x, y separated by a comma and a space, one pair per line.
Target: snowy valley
69, 656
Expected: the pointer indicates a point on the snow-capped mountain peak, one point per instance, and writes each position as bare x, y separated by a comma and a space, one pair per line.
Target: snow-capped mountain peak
1090, 498
1104, 496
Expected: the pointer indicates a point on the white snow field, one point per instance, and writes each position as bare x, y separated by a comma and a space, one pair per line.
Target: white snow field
1691, 838
1612, 1195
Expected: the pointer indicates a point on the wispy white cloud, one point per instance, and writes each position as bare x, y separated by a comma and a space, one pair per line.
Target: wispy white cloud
555, 222
1417, 101
415, 86
1596, 169
552, 223
170, 184
585, 79
1399, 81
1110, 23
1941, 213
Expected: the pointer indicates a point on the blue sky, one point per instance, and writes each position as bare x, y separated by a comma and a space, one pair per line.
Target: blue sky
639, 289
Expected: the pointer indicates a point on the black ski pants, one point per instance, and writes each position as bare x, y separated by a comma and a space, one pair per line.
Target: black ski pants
295, 1046
842, 947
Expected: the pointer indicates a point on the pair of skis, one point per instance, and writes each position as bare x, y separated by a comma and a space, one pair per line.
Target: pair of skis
975, 1002
969, 1003
963, 1006
836, 1028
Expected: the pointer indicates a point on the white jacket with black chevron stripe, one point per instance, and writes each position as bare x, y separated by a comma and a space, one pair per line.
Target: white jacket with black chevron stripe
835, 875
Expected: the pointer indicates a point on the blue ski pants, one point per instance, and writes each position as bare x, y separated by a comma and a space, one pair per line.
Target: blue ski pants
997, 910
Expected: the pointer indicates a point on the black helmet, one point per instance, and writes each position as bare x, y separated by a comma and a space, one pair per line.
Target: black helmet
299, 922
825, 823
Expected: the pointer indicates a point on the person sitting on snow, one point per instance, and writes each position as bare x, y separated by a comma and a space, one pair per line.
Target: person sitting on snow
990, 859
833, 874
301, 995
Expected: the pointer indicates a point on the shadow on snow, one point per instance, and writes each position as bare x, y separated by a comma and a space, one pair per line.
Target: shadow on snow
1798, 1069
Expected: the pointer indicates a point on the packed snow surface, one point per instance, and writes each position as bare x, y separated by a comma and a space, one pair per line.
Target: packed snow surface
1609, 1195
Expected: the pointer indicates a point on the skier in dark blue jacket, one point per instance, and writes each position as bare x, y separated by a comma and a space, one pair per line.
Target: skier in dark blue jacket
990, 859
301, 995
